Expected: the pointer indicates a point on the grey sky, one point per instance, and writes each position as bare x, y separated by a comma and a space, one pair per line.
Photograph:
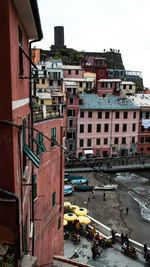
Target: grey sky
97, 25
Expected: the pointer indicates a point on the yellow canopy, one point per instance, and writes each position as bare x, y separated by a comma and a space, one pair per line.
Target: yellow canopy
65, 222
67, 204
70, 217
73, 207
81, 211
83, 219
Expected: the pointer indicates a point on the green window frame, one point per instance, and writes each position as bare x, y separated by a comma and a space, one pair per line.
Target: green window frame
59, 223
98, 141
133, 127
34, 187
105, 141
53, 137
98, 128
53, 199
81, 142
106, 127
30, 154
21, 70
89, 142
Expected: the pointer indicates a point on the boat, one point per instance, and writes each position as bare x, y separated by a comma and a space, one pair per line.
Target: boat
73, 177
79, 181
106, 187
67, 187
67, 192
83, 188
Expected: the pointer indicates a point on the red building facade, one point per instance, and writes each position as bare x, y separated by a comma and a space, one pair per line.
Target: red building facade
108, 87
144, 131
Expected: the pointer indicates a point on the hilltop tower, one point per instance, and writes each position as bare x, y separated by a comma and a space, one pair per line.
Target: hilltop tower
58, 38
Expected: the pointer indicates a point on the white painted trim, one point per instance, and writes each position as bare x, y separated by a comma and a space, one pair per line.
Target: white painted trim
20, 103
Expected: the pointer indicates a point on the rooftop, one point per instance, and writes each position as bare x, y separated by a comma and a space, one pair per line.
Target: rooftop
69, 67
109, 80
141, 100
111, 102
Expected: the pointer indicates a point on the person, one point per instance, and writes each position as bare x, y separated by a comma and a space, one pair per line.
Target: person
93, 194
104, 196
122, 238
113, 233
93, 249
127, 210
145, 250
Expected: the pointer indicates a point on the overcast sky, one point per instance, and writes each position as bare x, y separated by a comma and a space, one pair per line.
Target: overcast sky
94, 25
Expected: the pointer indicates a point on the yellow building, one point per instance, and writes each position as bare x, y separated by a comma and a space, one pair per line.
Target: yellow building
127, 88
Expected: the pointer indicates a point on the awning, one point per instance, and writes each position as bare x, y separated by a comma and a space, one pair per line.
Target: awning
88, 152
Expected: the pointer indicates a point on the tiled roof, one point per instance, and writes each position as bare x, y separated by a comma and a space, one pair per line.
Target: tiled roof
111, 102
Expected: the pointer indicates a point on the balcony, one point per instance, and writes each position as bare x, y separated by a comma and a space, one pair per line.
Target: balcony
41, 112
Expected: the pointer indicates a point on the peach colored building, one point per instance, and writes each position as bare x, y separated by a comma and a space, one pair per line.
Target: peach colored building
108, 87
107, 126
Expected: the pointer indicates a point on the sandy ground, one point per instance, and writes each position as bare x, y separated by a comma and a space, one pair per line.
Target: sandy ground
112, 212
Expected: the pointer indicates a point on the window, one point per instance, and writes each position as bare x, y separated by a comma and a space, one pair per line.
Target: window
106, 128
133, 127
70, 146
21, 71
143, 115
124, 127
90, 114
59, 223
70, 123
58, 83
148, 148
125, 115
71, 101
81, 128
116, 141
133, 140
89, 128
71, 113
123, 140
141, 149
53, 199
81, 142
124, 86
88, 142
39, 141
53, 137
117, 114
99, 114
42, 101
148, 139
77, 72
97, 152
101, 72
80, 84
130, 86
105, 141
142, 128
37, 81
134, 115
43, 81
98, 128
116, 127
148, 129
81, 114
107, 115
102, 85
34, 187
108, 85
142, 140
69, 72
69, 90
98, 141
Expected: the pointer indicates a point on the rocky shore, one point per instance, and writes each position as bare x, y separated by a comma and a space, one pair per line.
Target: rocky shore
112, 211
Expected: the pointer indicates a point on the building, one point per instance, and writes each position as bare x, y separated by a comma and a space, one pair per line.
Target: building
107, 126
127, 88
20, 22
95, 65
143, 102
108, 87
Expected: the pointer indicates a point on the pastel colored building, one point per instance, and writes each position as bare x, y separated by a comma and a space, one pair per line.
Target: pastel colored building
108, 87
107, 126
72, 71
95, 65
20, 22
49, 190
127, 88
143, 102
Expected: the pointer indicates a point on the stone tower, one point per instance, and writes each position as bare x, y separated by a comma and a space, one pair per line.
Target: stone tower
58, 38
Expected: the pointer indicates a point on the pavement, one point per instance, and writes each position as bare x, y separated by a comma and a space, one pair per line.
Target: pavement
110, 257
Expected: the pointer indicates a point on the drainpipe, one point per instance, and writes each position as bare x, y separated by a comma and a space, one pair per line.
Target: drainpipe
36, 16
17, 217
